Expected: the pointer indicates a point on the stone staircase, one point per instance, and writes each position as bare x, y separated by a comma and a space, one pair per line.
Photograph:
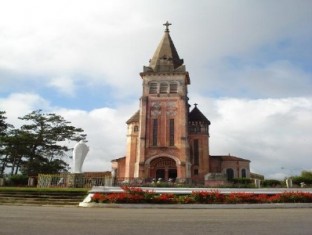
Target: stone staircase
24, 197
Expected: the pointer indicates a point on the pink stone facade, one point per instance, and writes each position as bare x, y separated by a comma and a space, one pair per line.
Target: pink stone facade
165, 139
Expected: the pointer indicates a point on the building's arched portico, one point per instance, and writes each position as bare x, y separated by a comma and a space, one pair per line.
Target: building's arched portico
162, 167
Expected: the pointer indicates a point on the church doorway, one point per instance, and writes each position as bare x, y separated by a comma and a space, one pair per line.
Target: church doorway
172, 173
164, 168
160, 174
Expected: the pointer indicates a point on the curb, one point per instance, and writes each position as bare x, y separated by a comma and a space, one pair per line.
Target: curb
197, 206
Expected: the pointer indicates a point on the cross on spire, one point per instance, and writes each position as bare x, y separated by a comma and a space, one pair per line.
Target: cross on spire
167, 24
195, 105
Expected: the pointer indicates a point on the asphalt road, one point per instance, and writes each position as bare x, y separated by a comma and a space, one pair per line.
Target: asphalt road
32, 220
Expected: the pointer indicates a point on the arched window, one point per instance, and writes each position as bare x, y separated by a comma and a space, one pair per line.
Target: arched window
230, 174
153, 88
163, 88
244, 173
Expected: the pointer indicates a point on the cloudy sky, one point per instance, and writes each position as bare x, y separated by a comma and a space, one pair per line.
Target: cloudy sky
249, 63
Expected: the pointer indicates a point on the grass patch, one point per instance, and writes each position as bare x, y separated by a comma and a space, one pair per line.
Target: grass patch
30, 189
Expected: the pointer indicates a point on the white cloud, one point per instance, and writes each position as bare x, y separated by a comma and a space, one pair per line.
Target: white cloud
106, 130
276, 79
65, 85
19, 104
111, 40
275, 134
272, 133
245, 49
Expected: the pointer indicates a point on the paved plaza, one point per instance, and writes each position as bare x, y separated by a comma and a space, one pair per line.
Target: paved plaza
51, 220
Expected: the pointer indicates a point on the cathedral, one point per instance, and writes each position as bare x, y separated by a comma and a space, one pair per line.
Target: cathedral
167, 139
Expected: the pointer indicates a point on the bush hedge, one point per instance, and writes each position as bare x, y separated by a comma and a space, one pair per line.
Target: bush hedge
137, 195
17, 180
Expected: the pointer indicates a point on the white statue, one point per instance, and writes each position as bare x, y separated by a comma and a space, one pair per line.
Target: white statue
79, 155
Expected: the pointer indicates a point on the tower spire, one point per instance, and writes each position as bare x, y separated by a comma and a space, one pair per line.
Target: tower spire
166, 58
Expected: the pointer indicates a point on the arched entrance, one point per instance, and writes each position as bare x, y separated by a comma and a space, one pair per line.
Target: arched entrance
164, 168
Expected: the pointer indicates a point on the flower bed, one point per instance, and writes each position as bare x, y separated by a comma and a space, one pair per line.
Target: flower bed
137, 195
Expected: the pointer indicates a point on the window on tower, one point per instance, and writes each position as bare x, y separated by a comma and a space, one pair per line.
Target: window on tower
153, 88
155, 132
171, 132
163, 88
196, 152
173, 88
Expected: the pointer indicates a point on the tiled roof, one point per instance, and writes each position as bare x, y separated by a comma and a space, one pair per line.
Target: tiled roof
165, 58
196, 116
135, 117
118, 159
228, 158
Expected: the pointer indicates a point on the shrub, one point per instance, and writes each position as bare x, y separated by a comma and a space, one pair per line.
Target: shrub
292, 197
241, 183
186, 199
137, 195
17, 180
208, 197
98, 197
167, 198
298, 179
271, 183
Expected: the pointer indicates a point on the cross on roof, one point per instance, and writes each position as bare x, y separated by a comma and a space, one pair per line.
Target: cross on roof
195, 105
167, 24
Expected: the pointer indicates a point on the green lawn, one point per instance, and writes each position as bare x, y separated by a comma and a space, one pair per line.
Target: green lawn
33, 189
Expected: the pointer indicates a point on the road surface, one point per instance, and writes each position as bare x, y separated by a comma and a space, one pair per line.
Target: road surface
53, 220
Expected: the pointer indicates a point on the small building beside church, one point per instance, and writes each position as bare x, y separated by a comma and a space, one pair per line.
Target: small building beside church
166, 137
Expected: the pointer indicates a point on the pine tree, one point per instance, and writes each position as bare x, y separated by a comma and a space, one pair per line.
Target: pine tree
40, 145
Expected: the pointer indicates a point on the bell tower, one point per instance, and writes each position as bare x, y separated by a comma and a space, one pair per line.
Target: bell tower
162, 148
165, 140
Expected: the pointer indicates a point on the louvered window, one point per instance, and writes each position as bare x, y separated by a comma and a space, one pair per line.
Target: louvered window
163, 88
153, 88
173, 88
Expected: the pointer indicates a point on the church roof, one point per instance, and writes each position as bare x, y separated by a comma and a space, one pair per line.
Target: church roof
197, 116
135, 117
118, 159
166, 58
228, 158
